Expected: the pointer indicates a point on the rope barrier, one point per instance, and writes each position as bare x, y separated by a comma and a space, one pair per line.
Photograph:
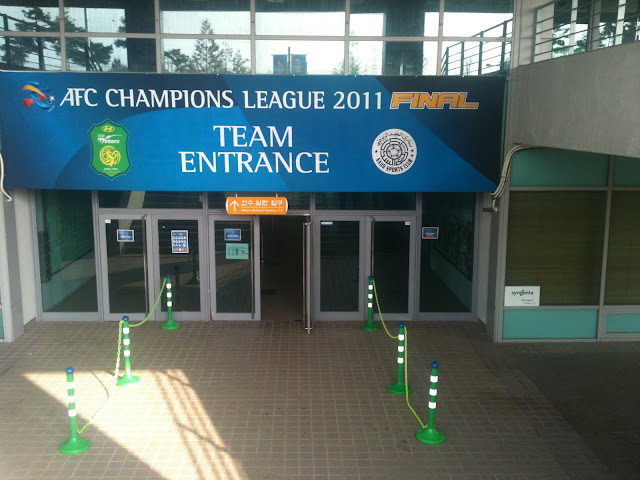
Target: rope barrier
80, 431
115, 379
380, 311
154, 306
406, 379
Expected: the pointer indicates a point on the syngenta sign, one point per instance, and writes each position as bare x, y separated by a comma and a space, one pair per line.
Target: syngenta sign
250, 133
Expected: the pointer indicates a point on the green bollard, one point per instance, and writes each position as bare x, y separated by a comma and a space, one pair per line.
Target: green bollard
370, 326
127, 378
75, 444
430, 435
400, 388
169, 324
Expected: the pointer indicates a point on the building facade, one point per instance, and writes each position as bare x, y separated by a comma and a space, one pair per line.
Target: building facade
545, 251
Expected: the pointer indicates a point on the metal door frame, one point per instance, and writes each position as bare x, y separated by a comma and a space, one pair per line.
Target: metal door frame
362, 274
255, 265
156, 284
307, 274
412, 285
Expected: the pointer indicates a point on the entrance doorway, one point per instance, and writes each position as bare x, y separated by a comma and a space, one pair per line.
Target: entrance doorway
353, 247
282, 268
138, 252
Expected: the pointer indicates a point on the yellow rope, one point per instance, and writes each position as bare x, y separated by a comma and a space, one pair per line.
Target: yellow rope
115, 379
406, 379
154, 307
380, 311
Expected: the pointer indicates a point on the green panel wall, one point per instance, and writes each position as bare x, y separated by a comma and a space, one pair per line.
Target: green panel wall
623, 323
550, 167
626, 172
562, 324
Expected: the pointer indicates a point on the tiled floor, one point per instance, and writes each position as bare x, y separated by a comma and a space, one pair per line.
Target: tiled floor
253, 400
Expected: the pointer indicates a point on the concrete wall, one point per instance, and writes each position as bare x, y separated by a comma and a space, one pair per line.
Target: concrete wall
9, 268
584, 102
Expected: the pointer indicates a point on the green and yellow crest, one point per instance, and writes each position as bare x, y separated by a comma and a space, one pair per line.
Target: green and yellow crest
109, 149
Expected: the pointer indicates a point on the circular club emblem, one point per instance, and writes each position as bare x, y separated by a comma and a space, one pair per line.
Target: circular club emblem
394, 151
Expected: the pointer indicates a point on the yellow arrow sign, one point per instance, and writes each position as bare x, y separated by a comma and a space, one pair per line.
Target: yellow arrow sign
256, 205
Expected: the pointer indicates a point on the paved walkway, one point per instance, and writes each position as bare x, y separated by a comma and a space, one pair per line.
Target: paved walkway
254, 400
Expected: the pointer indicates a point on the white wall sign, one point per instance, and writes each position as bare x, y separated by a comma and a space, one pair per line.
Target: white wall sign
522, 296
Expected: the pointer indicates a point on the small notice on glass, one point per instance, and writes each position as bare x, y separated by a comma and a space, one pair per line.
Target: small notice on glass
125, 235
237, 251
522, 296
179, 241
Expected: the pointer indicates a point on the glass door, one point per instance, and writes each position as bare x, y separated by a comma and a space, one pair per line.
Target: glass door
391, 260
235, 273
339, 273
125, 256
176, 250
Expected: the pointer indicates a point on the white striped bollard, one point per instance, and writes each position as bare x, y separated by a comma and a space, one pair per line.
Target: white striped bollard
169, 324
370, 326
429, 434
400, 387
75, 444
127, 378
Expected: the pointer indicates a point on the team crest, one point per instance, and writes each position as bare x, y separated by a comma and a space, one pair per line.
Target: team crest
109, 149
394, 151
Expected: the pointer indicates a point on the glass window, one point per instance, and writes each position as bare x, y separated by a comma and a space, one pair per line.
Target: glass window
626, 172
111, 54
631, 26
30, 16
555, 242
468, 18
414, 18
446, 263
296, 200
393, 58
206, 56
305, 17
30, 53
143, 199
365, 201
623, 260
475, 58
109, 16
218, 16
66, 250
284, 57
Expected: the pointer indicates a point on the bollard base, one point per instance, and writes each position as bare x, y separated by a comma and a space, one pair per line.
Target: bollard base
398, 389
170, 325
74, 445
430, 436
369, 327
127, 380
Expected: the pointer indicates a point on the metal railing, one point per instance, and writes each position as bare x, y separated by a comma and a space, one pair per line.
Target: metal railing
565, 27
479, 57
41, 53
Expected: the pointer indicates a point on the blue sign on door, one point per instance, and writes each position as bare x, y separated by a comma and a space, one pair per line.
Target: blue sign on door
125, 235
179, 241
430, 233
232, 234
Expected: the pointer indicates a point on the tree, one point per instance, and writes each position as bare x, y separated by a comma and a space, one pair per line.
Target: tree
355, 67
118, 66
209, 56
206, 58
176, 61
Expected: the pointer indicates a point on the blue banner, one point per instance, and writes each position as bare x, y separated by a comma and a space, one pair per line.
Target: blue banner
251, 133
